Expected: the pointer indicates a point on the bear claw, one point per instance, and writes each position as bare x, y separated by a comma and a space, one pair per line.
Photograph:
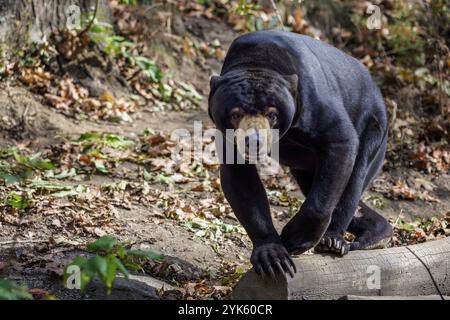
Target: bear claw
333, 244
272, 258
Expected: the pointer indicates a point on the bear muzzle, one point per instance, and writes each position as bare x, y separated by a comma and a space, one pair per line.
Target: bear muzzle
254, 137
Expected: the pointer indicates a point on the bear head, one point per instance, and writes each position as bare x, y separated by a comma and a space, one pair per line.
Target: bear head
253, 102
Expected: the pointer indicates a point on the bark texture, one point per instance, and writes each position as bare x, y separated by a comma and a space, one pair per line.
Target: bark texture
35, 20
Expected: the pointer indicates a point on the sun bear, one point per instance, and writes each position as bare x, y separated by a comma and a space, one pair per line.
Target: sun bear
332, 131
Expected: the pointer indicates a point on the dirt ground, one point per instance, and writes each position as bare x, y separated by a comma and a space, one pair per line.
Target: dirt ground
28, 120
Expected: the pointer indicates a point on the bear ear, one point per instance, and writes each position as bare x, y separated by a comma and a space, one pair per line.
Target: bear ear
214, 83
292, 80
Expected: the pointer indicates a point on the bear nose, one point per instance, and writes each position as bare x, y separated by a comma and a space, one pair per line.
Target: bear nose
253, 140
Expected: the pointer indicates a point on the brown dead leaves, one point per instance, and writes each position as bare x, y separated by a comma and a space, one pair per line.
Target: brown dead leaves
402, 190
35, 77
89, 214
73, 99
69, 93
412, 188
69, 43
420, 231
433, 158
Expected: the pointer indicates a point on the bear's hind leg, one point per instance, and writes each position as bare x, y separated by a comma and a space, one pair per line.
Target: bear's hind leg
372, 231
363, 173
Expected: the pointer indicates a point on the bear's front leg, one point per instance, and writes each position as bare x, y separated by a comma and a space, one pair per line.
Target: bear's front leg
246, 194
335, 166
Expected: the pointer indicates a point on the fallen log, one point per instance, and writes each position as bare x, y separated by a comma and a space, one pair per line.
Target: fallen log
417, 270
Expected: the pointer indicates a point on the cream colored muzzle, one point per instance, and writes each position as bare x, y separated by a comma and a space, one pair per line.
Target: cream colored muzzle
254, 137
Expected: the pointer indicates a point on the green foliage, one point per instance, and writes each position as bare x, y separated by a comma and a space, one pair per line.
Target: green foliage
33, 162
15, 167
251, 11
118, 46
238, 273
103, 33
94, 142
128, 2
376, 201
247, 7
419, 223
405, 41
3, 60
111, 258
204, 2
148, 67
98, 147
112, 44
106, 243
17, 201
425, 223
189, 92
285, 199
11, 291
211, 229
405, 226
56, 189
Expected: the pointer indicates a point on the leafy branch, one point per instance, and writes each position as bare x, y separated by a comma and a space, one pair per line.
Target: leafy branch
111, 258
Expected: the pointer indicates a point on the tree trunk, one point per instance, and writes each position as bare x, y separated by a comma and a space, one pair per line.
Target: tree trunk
35, 20
385, 272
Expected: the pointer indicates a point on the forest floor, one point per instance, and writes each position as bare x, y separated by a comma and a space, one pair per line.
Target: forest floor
116, 177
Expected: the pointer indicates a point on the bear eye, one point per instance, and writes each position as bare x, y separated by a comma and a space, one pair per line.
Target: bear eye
272, 115
236, 115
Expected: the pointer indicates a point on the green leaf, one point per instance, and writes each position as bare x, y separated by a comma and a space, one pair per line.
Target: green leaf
113, 264
70, 191
77, 261
408, 227
85, 275
8, 152
122, 269
36, 162
117, 259
149, 68
190, 92
26, 173
128, 2
9, 178
147, 175
96, 140
17, 201
165, 180
120, 251
20, 159
105, 243
100, 166
132, 265
31, 163
146, 254
98, 265
65, 193
46, 185
11, 291
89, 136
66, 174
111, 268
149, 132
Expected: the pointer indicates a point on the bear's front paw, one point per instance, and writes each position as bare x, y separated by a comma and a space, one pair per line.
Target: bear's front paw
270, 258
